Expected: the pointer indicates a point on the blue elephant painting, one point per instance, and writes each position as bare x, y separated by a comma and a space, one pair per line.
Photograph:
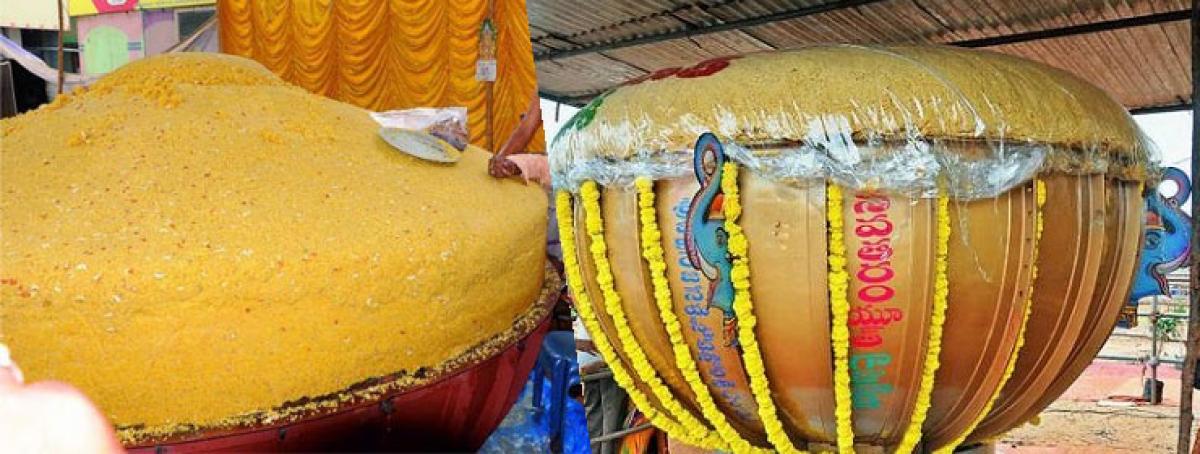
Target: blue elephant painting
1167, 243
705, 238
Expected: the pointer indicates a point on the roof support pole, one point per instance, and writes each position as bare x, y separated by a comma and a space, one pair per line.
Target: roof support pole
62, 29
1188, 377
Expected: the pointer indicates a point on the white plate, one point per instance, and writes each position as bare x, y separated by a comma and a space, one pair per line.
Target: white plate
419, 144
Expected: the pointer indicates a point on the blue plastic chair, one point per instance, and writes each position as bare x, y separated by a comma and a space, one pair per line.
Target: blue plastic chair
556, 362
545, 418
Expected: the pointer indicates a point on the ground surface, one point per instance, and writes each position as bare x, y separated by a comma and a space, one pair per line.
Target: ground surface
1091, 417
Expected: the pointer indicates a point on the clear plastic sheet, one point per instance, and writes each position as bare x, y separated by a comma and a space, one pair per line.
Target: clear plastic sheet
908, 120
914, 169
446, 123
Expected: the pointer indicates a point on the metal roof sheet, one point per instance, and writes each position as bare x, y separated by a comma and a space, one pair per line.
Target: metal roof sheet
1143, 66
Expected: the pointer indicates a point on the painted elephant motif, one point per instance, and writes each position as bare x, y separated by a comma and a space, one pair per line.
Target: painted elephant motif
705, 237
1167, 243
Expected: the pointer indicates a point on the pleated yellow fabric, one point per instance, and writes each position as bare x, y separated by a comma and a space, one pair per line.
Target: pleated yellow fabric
381, 54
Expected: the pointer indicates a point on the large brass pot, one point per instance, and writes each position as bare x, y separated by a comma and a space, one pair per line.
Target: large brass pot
1060, 242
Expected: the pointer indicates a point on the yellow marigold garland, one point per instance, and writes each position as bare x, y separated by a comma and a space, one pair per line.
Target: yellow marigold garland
1040, 188
642, 368
941, 292
839, 308
739, 249
652, 251
583, 306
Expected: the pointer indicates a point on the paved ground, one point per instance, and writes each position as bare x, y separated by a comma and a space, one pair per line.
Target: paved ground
1091, 418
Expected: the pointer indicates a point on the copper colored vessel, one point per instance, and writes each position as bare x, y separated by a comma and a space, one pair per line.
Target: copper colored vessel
925, 147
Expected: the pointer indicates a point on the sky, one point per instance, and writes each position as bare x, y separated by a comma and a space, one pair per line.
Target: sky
549, 122
1172, 132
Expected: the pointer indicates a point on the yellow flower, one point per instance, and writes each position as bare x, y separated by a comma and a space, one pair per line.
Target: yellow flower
839, 307
642, 368
941, 292
1040, 188
653, 253
739, 248
583, 306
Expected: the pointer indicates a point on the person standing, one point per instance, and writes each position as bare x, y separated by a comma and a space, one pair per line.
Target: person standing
605, 402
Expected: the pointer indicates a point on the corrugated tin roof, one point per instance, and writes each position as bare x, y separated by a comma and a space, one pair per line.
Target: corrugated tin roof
1143, 66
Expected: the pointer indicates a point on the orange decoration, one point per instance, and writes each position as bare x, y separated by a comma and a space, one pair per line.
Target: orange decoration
383, 55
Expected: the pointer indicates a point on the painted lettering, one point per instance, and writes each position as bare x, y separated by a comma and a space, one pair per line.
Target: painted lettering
868, 317
866, 396
876, 293
876, 274
866, 340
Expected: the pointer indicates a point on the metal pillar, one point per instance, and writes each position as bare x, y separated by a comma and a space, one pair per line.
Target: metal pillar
62, 29
1193, 332
1155, 399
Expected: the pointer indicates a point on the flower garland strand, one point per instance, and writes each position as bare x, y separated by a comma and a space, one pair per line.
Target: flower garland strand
739, 249
839, 309
933, 350
642, 368
652, 251
1040, 189
566, 233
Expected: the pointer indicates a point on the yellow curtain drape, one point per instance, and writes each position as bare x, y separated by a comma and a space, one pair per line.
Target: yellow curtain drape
392, 54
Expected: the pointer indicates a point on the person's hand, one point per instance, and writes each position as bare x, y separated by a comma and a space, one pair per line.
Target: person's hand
592, 367
586, 346
533, 167
502, 167
49, 417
